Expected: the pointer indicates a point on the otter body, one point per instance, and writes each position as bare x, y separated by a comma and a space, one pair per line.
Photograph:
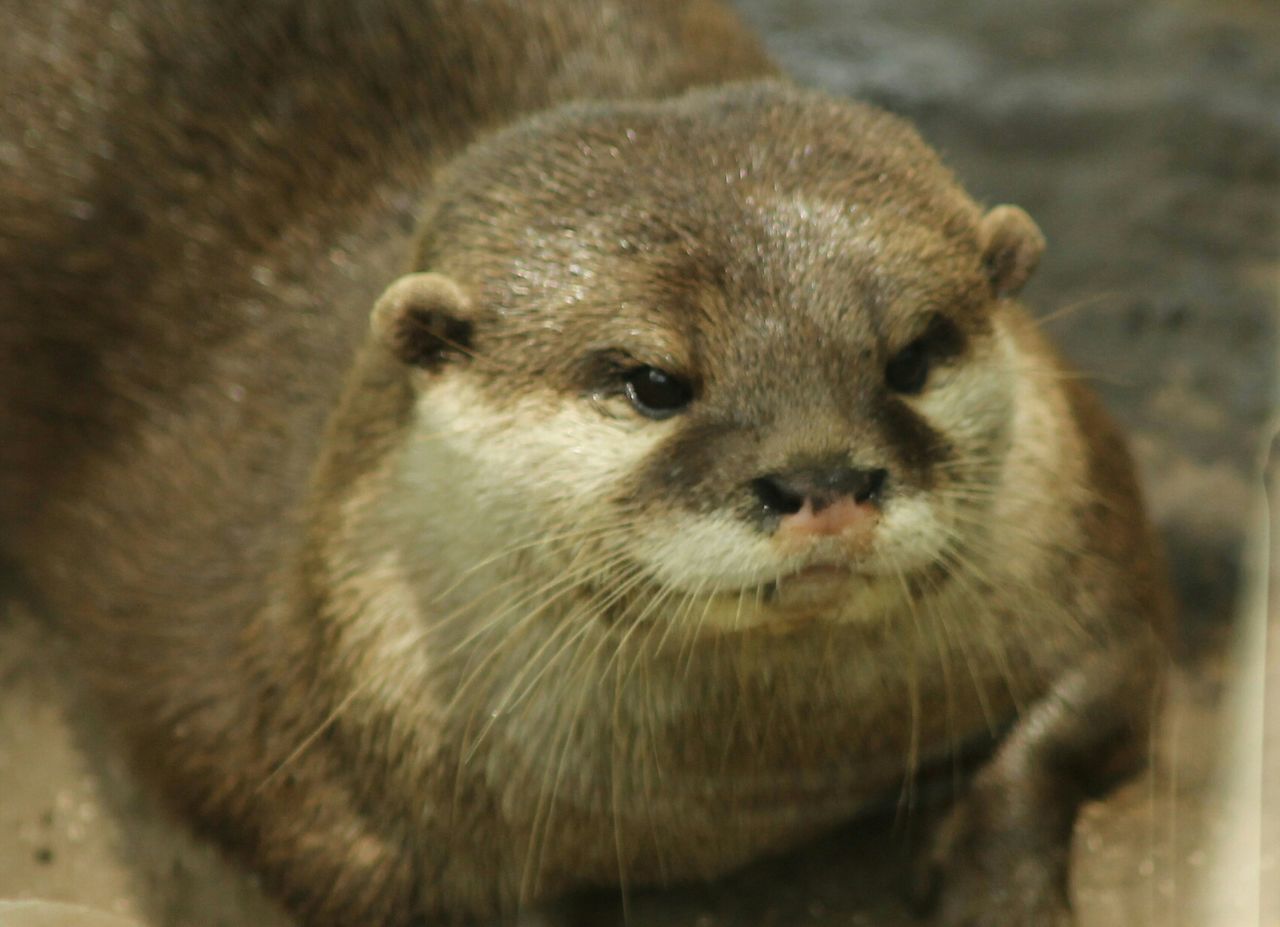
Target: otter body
700, 481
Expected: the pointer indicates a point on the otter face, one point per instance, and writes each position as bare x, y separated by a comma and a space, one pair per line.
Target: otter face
739, 356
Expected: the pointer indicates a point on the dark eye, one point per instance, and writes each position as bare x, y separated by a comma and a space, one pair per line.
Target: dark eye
656, 393
908, 370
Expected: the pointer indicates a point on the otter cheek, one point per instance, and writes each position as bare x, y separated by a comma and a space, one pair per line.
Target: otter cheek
972, 404
697, 553
543, 447
910, 536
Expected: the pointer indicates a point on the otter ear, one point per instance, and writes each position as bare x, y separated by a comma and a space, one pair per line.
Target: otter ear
1011, 248
421, 319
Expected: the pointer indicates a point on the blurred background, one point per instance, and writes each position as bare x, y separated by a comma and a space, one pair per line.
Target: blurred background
1144, 137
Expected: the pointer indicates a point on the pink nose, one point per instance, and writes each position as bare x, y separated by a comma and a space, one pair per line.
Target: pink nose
843, 516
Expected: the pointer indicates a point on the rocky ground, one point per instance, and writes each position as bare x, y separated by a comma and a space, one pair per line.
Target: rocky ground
1145, 139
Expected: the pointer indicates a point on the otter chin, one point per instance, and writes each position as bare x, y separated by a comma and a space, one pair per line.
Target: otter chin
497, 431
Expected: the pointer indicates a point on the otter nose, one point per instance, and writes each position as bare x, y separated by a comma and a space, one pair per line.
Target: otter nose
786, 493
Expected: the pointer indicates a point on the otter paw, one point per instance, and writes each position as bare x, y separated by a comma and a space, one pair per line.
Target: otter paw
981, 872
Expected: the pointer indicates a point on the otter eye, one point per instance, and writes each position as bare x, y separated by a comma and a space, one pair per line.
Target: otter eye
656, 393
908, 370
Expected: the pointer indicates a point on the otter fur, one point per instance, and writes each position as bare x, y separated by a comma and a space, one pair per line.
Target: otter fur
485, 450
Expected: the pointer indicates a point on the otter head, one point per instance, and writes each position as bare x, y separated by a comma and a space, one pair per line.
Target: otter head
732, 359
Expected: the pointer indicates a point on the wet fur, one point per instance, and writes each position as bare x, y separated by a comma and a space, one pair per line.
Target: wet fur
243, 505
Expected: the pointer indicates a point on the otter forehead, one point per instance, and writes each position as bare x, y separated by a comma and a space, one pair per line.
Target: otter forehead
780, 310
681, 223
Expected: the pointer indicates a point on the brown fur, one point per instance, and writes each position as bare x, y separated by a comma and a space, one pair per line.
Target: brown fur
208, 441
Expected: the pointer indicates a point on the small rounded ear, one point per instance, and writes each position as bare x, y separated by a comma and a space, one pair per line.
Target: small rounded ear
421, 319
1011, 247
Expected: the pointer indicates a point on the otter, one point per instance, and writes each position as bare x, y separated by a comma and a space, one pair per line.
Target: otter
482, 451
